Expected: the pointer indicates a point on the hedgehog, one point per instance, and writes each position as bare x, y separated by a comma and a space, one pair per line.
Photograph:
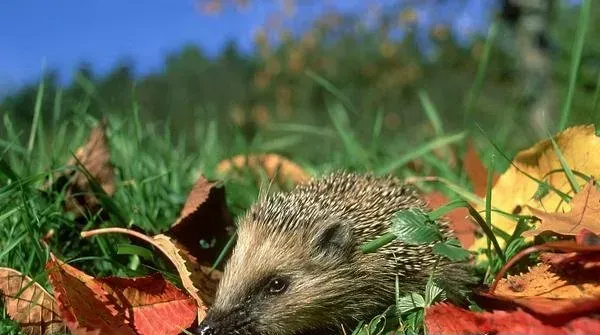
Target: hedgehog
297, 267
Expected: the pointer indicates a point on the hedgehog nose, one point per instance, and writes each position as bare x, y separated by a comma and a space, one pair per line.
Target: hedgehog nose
205, 329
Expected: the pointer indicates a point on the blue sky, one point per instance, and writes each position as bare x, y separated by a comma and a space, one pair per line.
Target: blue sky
63, 33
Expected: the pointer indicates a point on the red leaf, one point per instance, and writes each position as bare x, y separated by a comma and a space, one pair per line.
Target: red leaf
459, 219
84, 305
448, 319
587, 237
547, 309
154, 305
476, 171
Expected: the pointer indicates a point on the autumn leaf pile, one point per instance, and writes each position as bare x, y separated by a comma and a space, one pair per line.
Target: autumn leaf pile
82, 304
545, 215
548, 198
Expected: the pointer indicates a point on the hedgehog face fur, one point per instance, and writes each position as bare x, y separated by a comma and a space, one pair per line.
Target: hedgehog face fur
297, 267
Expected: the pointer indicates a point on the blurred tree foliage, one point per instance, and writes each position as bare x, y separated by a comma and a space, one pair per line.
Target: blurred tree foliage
375, 71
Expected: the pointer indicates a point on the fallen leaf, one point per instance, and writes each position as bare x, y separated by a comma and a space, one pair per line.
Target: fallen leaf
540, 281
459, 218
86, 308
584, 214
199, 281
546, 309
195, 278
29, 304
95, 157
514, 192
204, 216
443, 318
154, 305
560, 288
587, 237
476, 171
272, 164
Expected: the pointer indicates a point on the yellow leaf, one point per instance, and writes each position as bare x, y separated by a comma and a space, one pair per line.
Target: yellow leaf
514, 191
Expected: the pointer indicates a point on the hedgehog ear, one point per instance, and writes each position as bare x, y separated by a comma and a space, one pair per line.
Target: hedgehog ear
333, 242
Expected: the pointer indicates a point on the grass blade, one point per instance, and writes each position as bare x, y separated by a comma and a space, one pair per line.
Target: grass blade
431, 112
582, 27
481, 70
420, 151
36, 117
565, 166
331, 89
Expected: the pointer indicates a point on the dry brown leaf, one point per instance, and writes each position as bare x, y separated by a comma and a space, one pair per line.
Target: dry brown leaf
199, 194
204, 216
584, 214
272, 164
514, 191
95, 157
29, 304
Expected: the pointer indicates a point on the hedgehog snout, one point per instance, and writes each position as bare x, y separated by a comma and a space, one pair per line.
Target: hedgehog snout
221, 323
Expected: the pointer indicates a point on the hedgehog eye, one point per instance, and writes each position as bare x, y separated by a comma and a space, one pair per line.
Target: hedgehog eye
277, 285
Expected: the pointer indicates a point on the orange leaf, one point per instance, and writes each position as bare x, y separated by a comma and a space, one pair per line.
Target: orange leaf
204, 216
458, 218
541, 281
584, 214
154, 305
86, 308
561, 288
476, 171
547, 292
29, 304
447, 319
272, 164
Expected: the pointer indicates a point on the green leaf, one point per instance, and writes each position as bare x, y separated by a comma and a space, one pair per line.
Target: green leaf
432, 292
451, 250
412, 226
410, 302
